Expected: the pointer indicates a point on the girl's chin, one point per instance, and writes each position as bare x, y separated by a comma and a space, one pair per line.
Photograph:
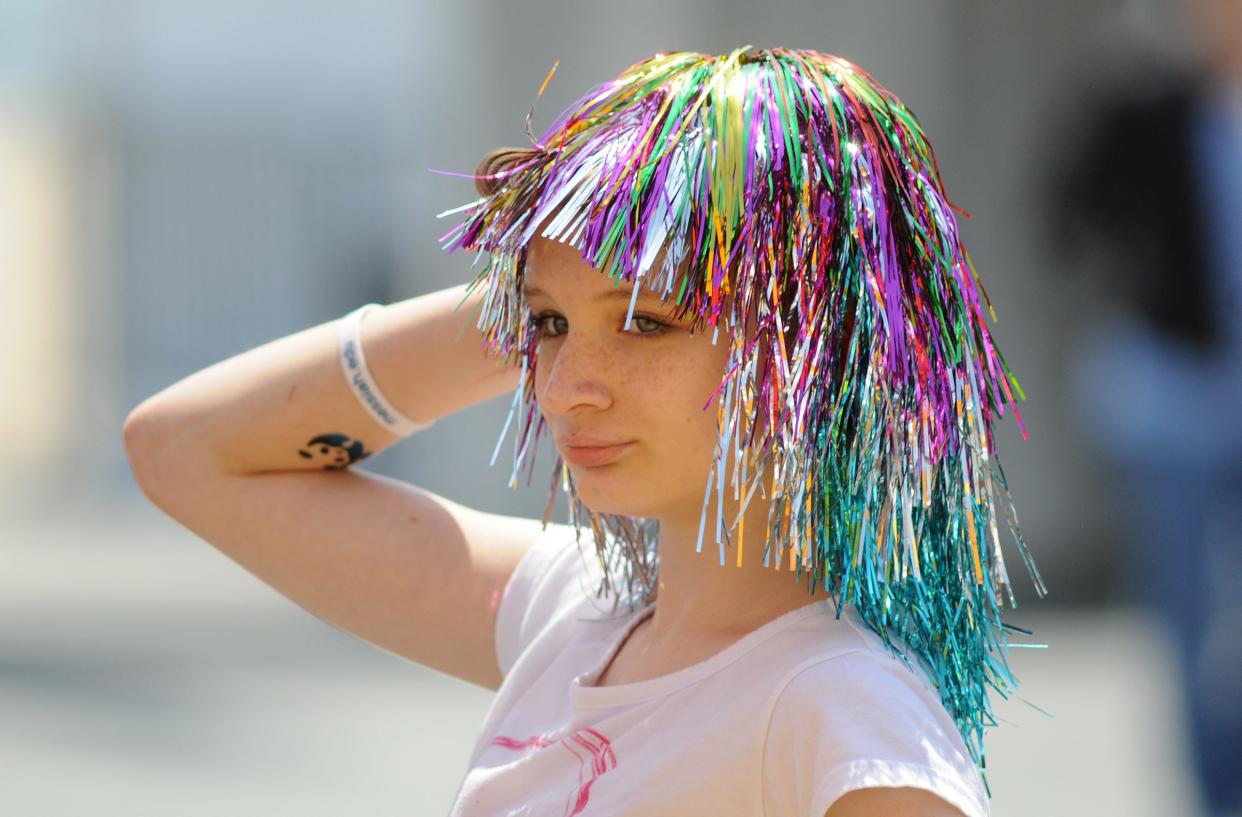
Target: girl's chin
613, 499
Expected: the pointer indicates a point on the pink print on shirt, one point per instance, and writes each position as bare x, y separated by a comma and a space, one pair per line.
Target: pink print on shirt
539, 741
594, 754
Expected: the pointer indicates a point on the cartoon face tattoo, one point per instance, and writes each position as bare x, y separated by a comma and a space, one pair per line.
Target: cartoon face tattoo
334, 451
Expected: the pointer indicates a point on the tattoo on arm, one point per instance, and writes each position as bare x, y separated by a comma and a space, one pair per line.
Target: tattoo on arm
335, 451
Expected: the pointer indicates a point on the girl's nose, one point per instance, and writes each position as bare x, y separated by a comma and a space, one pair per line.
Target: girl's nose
575, 374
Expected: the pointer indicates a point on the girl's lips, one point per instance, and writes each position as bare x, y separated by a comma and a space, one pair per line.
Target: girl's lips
591, 455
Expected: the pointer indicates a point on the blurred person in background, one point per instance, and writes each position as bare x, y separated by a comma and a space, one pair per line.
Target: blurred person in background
1153, 194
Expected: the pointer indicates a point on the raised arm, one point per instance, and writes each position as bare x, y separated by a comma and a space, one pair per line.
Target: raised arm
253, 454
261, 409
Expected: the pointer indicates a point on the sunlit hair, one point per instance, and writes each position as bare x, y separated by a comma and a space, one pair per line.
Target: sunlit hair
789, 189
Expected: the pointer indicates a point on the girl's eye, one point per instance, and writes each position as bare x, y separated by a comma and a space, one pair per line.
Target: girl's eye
652, 326
539, 322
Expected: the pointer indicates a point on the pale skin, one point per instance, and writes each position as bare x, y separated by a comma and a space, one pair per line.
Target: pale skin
650, 384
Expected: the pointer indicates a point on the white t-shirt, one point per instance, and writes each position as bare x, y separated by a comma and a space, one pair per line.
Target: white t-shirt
780, 723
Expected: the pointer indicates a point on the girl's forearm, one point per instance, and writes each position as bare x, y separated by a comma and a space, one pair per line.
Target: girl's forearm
286, 405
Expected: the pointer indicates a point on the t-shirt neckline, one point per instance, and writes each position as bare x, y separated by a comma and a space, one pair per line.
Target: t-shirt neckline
584, 696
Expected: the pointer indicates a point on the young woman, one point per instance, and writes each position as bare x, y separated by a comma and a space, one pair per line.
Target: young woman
795, 371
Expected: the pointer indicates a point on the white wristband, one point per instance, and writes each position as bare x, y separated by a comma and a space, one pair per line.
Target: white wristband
354, 364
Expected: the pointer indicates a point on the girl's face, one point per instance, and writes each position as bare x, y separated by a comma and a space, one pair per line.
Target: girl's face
598, 383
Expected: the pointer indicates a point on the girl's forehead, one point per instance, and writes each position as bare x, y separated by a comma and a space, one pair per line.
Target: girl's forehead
561, 274
546, 252
552, 266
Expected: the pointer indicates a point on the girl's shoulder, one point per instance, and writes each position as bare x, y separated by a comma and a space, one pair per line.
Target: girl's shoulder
860, 718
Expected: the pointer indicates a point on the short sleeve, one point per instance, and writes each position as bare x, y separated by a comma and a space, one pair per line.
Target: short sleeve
532, 595
862, 720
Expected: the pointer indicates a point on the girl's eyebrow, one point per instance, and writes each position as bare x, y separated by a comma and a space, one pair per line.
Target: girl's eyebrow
620, 292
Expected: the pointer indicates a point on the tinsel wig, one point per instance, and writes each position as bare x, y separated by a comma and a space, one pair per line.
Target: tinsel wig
789, 188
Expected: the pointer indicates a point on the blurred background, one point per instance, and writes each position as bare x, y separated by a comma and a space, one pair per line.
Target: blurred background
180, 182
